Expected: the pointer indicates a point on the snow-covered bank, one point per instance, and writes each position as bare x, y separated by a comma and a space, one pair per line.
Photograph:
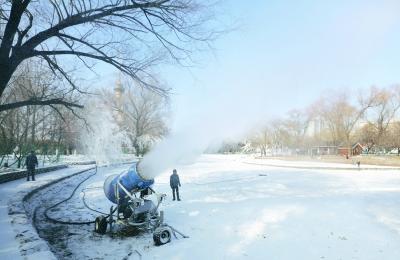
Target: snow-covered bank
53, 160
235, 210
18, 236
15, 175
316, 165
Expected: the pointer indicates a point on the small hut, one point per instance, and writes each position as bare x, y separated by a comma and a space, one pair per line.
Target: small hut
356, 149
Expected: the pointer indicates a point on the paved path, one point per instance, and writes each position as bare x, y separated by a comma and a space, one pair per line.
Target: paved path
9, 247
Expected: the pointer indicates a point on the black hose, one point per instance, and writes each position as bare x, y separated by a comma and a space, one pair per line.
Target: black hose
87, 205
58, 221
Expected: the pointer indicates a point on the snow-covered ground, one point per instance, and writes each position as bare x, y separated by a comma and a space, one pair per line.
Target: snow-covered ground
233, 209
9, 246
316, 164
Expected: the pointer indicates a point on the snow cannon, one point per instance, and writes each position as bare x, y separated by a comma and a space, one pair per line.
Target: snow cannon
135, 207
116, 187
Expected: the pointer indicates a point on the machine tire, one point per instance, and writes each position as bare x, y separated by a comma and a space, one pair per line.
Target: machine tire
162, 235
127, 212
100, 225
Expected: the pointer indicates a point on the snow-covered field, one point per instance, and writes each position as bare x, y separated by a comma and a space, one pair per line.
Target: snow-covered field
233, 209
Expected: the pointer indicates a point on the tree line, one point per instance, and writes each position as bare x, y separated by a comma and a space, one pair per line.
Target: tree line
139, 114
371, 118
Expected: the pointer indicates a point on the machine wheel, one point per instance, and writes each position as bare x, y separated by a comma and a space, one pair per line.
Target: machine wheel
100, 225
162, 235
127, 212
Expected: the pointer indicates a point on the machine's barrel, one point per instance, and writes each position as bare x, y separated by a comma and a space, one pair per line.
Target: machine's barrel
130, 179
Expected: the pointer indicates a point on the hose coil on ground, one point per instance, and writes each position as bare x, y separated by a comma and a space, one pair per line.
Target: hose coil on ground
58, 221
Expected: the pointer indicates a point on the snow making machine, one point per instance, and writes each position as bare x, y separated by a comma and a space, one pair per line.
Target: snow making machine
130, 192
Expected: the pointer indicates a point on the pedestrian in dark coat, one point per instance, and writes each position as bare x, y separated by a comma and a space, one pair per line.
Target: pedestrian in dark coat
30, 162
175, 184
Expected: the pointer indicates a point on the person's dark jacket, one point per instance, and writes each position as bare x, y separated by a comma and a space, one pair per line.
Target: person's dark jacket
174, 181
31, 161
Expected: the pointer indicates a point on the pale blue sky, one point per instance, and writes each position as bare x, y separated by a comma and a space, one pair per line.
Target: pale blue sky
284, 55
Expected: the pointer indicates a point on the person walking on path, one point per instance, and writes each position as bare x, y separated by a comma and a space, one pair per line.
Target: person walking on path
30, 162
175, 184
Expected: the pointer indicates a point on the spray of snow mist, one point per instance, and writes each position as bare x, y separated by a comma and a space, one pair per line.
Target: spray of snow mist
103, 141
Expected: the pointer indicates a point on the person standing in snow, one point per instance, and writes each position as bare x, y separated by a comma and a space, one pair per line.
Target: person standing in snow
175, 184
30, 162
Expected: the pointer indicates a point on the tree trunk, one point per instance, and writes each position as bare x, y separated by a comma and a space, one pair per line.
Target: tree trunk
2, 159
27, 122
5, 77
33, 129
349, 146
19, 158
137, 149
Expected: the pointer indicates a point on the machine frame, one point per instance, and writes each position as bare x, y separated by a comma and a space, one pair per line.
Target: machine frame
138, 212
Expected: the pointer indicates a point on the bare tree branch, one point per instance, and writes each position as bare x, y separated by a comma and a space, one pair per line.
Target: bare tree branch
131, 36
36, 102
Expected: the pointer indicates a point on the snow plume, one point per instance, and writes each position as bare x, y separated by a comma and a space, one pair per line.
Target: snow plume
102, 140
196, 134
177, 148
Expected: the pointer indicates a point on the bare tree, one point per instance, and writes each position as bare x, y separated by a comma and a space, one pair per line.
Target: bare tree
342, 117
320, 130
367, 135
262, 140
273, 136
34, 127
139, 112
295, 126
128, 35
36, 85
386, 103
394, 137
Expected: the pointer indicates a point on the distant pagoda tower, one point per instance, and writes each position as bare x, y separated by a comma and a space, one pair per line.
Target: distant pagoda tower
118, 90
119, 93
